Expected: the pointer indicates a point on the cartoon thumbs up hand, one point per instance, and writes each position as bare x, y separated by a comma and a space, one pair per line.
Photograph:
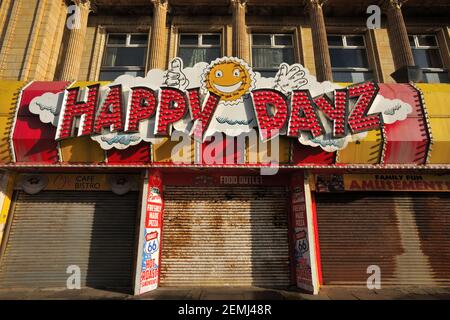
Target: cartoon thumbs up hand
290, 78
174, 76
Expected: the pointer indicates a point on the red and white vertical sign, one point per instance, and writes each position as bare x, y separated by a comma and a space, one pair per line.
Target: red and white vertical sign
151, 234
302, 254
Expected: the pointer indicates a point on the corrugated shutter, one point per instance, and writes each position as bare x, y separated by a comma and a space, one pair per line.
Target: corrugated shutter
406, 234
55, 229
225, 236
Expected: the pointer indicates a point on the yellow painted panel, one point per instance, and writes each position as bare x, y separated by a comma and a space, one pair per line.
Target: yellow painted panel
259, 152
81, 149
185, 152
5, 129
83, 84
9, 94
437, 97
7, 191
366, 150
440, 149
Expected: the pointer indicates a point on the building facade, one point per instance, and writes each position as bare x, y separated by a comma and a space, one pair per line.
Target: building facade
128, 215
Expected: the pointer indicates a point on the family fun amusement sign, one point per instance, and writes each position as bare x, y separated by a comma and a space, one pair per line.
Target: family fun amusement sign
224, 96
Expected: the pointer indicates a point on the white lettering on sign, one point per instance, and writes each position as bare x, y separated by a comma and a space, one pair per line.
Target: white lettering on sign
153, 215
153, 223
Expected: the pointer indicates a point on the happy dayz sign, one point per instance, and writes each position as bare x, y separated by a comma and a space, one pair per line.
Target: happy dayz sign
224, 96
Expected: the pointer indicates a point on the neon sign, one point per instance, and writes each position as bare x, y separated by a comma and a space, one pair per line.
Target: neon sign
225, 96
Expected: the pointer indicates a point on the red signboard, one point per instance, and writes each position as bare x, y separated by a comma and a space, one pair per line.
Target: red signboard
302, 255
151, 251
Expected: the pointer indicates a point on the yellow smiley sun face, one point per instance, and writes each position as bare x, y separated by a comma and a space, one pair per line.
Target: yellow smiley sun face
228, 79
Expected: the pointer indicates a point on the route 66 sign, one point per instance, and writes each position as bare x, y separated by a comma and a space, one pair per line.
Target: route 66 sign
301, 243
151, 246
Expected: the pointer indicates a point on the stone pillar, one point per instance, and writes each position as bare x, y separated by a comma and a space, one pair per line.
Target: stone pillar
5, 8
158, 36
320, 43
398, 35
241, 47
75, 46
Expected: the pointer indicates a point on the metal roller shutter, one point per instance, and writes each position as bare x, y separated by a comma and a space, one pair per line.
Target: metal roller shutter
55, 229
406, 234
235, 236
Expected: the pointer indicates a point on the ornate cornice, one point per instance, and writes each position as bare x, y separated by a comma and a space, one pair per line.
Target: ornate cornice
82, 3
311, 3
234, 3
160, 3
388, 4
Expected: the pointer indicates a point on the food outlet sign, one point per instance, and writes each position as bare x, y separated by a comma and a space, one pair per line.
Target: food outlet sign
224, 96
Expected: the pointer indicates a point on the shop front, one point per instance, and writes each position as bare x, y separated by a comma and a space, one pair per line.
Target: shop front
399, 222
165, 227
225, 230
227, 227
63, 224
274, 183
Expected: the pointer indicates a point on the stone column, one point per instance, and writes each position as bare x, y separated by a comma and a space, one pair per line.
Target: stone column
5, 8
241, 47
75, 46
158, 37
320, 42
398, 35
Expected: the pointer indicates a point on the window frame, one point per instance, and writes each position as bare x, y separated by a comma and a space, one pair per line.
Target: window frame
418, 46
199, 40
126, 45
345, 46
200, 44
272, 46
272, 40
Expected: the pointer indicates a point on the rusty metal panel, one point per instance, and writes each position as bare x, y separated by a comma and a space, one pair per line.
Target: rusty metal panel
405, 234
220, 236
55, 229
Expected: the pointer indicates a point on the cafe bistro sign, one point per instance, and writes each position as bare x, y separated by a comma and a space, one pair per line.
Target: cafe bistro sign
224, 96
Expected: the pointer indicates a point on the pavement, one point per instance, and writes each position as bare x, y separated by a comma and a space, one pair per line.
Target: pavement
234, 293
